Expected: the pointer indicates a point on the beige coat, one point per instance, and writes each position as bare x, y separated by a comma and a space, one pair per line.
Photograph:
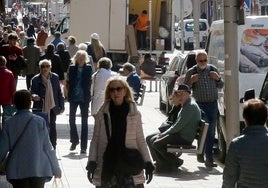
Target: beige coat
134, 139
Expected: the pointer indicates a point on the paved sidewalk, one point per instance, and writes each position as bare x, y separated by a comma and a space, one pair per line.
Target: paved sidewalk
191, 175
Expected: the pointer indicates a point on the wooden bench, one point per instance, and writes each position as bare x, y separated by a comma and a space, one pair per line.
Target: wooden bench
200, 137
141, 95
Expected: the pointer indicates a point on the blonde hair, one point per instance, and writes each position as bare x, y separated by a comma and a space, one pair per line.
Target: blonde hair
123, 82
97, 48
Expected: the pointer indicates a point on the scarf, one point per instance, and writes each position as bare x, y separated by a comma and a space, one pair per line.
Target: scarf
49, 102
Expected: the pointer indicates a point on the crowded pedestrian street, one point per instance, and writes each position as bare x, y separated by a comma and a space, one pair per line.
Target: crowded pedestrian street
190, 175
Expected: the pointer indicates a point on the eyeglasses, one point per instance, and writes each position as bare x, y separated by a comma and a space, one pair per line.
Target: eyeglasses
45, 66
113, 89
203, 60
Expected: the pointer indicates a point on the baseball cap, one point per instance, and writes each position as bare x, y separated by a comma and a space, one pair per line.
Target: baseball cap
182, 87
95, 36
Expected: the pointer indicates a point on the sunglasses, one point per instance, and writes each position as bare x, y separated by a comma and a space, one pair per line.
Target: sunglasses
113, 89
203, 60
45, 66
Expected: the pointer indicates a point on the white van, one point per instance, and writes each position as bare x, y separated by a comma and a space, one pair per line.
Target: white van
189, 33
252, 42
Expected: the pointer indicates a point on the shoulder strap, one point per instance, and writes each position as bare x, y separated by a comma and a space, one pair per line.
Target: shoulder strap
21, 134
106, 126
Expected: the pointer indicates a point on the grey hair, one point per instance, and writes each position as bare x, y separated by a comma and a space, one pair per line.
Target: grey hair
105, 63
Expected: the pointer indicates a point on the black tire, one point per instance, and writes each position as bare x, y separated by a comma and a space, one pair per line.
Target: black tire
221, 144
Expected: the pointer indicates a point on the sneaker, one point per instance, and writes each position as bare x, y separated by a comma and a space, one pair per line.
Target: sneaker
200, 158
73, 146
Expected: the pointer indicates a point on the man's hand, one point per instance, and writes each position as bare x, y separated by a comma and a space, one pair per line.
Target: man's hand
214, 75
194, 78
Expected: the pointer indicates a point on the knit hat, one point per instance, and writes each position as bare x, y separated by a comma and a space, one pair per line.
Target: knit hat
183, 87
95, 36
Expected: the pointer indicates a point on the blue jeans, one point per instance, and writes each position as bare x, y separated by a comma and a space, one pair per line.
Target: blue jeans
73, 129
209, 114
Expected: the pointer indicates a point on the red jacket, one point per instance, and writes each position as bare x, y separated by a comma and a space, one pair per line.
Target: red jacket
7, 86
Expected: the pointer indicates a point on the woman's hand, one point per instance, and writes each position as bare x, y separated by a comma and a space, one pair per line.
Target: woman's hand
58, 175
36, 97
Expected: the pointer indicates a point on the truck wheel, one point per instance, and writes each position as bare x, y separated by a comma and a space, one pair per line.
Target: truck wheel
221, 144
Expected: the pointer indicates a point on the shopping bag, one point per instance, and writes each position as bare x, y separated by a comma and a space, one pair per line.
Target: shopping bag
57, 183
4, 183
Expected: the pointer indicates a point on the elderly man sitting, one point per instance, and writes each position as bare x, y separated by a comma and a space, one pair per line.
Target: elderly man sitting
182, 131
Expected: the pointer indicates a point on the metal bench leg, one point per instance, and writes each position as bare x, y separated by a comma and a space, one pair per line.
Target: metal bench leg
151, 85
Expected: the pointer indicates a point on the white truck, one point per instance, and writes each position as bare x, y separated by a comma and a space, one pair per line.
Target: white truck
252, 59
110, 19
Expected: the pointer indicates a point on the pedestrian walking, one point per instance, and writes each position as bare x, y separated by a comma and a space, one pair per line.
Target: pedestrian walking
14, 56
47, 96
7, 87
32, 54
95, 49
205, 80
78, 86
32, 160
99, 80
55, 59
41, 38
72, 47
246, 164
114, 133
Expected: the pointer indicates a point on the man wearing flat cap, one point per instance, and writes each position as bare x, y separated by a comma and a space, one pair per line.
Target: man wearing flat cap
181, 132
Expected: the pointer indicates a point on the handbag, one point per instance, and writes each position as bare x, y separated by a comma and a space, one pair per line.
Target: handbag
4, 162
165, 126
130, 161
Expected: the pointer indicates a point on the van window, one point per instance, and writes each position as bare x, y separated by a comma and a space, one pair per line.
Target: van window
254, 51
189, 26
216, 49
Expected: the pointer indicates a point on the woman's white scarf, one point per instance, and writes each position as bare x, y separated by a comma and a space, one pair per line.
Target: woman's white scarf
49, 102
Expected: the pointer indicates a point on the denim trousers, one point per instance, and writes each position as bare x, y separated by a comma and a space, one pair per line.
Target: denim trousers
84, 106
209, 114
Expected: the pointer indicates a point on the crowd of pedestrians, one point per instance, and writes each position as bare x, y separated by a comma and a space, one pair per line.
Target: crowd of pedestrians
81, 74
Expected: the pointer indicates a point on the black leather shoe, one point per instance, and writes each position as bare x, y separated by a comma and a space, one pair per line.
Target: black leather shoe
73, 146
200, 158
83, 151
210, 163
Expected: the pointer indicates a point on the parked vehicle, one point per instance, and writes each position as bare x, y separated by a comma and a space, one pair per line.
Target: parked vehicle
252, 60
110, 19
188, 63
189, 33
167, 81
